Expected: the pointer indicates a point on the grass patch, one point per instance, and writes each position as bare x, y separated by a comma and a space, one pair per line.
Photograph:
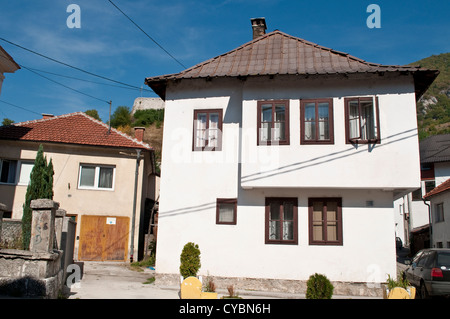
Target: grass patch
149, 281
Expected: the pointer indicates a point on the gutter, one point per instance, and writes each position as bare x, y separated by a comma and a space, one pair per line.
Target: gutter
133, 219
431, 223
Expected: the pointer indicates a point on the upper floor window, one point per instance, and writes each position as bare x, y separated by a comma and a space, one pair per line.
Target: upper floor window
362, 120
316, 118
96, 177
207, 130
273, 122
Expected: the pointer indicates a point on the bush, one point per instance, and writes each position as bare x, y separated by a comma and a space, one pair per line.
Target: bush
190, 260
319, 287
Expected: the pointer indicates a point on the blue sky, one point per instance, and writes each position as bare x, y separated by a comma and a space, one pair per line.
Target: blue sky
109, 45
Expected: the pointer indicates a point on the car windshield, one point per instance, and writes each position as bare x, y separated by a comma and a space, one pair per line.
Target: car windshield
443, 259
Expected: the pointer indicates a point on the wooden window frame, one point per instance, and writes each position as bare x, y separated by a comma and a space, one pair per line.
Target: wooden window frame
348, 140
226, 201
330, 121
286, 126
325, 241
219, 124
294, 201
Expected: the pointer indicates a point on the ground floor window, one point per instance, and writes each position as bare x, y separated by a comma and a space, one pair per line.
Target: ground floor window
281, 221
325, 221
226, 211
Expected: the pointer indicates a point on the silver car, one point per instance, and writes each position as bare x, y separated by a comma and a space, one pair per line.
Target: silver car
429, 272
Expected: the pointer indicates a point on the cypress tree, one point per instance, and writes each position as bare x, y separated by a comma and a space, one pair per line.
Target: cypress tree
40, 186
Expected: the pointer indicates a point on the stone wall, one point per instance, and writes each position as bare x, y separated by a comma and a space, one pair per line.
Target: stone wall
40, 271
11, 233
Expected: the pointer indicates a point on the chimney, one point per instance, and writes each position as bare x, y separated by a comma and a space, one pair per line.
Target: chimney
259, 27
47, 116
139, 133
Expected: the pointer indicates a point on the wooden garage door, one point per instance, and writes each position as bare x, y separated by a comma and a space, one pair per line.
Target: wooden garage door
103, 238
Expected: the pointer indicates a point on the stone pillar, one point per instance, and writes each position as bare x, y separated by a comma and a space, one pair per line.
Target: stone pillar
43, 225
2, 209
59, 221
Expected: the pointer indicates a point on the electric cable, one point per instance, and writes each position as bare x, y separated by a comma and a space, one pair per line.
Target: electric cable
147, 34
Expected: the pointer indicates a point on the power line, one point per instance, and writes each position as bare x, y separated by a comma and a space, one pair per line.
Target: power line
66, 64
84, 80
68, 87
20, 107
147, 35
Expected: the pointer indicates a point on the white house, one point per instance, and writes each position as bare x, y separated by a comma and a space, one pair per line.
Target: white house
412, 213
439, 199
281, 159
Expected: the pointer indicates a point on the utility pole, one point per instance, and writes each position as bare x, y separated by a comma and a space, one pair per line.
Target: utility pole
109, 129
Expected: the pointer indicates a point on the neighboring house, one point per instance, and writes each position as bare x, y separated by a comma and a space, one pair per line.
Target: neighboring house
94, 180
7, 65
440, 219
281, 159
412, 213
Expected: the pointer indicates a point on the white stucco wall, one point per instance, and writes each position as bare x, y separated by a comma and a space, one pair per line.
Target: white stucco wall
441, 230
192, 181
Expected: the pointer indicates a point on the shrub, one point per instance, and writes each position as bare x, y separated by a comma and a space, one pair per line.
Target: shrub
190, 260
319, 287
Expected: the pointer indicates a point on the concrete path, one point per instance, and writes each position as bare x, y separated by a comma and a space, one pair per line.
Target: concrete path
107, 280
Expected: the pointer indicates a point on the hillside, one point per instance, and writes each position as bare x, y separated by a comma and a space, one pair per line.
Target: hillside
433, 109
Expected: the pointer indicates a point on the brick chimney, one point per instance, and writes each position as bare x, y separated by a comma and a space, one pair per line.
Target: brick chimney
139, 133
259, 27
47, 116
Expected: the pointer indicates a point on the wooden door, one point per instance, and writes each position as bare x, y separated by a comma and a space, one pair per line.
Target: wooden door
103, 238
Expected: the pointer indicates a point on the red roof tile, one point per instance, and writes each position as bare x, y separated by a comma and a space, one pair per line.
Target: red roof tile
75, 128
277, 53
445, 186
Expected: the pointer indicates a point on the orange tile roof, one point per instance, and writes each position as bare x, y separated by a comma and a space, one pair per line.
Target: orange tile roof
445, 186
74, 128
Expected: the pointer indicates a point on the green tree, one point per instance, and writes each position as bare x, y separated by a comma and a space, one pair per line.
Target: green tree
121, 117
40, 186
6, 121
93, 113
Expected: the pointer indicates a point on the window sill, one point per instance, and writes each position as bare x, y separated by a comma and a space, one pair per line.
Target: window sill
374, 141
96, 189
281, 242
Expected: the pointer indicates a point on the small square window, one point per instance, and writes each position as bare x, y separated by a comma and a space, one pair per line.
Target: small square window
226, 211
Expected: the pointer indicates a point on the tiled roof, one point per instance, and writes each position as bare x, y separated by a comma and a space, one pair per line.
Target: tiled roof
277, 53
445, 186
435, 149
75, 128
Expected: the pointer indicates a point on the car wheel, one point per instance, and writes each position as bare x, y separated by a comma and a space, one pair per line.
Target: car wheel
423, 291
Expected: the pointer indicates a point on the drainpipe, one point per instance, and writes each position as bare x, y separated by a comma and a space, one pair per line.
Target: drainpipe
133, 219
429, 219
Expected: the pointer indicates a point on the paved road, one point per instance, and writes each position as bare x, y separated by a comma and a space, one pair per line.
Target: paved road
103, 280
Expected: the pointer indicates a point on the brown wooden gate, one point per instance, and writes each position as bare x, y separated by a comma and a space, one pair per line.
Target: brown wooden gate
103, 238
